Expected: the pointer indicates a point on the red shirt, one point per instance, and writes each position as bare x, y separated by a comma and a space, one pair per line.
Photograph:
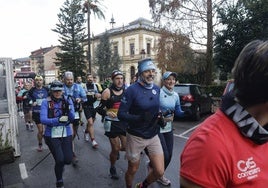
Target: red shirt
218, 155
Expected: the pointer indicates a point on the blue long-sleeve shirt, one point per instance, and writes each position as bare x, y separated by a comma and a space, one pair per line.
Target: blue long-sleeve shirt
58, 112
170, 100
75, 91
37, 95
136, 102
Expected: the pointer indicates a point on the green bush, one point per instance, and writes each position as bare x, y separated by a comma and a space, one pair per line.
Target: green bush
215, 90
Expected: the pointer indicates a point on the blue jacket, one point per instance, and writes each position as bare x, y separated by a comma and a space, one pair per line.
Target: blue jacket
136, 102
58, 112
75, 91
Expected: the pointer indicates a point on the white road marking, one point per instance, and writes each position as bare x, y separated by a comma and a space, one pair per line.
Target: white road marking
185, 132
23, 171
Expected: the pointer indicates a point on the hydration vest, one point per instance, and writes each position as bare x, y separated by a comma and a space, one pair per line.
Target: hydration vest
64, 107
114, 100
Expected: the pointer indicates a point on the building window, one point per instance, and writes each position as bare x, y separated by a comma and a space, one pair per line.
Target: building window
115, 49
132, 49
132, 75
148, 48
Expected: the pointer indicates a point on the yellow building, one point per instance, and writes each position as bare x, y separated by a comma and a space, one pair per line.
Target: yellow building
132, 42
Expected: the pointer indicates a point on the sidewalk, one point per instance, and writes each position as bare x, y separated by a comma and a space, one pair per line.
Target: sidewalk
11, 172
92, 170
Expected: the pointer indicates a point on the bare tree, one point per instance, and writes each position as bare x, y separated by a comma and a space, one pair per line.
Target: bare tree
193, 18
173, 52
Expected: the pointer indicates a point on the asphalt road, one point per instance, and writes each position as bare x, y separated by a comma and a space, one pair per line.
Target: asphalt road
92, 170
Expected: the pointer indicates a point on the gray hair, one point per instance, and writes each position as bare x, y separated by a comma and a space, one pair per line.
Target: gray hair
68, 74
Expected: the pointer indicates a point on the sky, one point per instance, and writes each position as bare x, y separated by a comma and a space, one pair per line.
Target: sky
26, 25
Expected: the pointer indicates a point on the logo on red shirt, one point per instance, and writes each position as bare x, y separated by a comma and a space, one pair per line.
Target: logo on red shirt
248, 169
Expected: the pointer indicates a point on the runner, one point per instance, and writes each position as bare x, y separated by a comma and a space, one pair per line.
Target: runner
229, 148
169, 106
78, 96
36, 95
115, 130
18, 100
57, 112
92, 95
83, 85
140, 108
26, 106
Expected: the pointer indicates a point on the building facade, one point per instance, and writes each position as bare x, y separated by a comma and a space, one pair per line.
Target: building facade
133, 42
42, 61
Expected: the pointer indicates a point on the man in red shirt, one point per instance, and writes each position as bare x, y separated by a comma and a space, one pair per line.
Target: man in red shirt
229, 149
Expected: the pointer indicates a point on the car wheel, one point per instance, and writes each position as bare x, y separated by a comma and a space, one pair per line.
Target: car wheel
197, 113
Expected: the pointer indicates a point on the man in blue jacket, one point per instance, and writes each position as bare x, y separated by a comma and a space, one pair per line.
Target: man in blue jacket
140, 108
75, 92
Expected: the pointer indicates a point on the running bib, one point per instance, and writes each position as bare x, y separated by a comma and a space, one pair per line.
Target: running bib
107, 125
96, 104
90, 93
58, 132
167, 128
39, 101
76, 115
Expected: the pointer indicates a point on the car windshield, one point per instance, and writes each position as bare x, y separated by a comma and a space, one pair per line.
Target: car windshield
182, 90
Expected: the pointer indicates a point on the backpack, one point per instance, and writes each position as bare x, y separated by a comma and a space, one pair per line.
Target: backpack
64, 107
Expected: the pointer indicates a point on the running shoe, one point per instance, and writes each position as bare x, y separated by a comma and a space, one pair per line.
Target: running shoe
86, 136
40, 148
74, 160
82, 123
94, 144
164, 181
31, 127
27, 126
113, 173
138, 185
59, 185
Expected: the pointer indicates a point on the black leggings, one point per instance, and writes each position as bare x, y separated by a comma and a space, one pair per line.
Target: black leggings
62, 151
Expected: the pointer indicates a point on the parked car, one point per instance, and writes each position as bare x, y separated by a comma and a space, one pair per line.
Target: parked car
194, 100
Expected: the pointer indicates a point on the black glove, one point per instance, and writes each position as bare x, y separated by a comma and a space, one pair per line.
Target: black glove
63, 119
168, 113
161, 122
147, 117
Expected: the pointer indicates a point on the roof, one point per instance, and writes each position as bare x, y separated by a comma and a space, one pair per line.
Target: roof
140, 23
41, 51
23, 59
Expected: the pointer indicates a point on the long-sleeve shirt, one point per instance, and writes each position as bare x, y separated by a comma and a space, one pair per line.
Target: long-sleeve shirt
169, 100
136, 102
75, 91
51, 122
